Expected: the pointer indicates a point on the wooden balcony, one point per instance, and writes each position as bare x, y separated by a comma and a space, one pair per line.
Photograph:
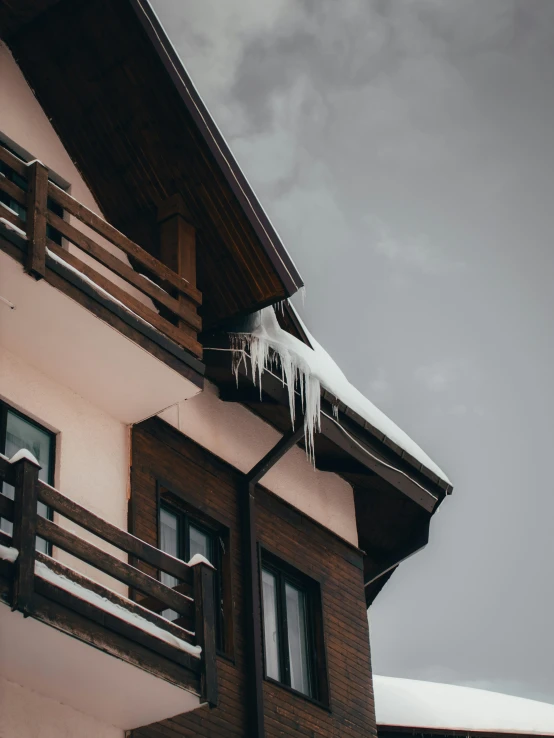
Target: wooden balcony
82, 643
68, 248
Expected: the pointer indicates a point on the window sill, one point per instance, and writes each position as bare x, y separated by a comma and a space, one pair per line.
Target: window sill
322, 705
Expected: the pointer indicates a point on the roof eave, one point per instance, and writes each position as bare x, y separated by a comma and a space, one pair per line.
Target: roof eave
269, 239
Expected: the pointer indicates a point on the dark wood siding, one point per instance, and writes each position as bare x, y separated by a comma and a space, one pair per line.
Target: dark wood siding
162, 455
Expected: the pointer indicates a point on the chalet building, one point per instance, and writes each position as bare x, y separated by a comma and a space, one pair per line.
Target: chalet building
197, 507
407, 707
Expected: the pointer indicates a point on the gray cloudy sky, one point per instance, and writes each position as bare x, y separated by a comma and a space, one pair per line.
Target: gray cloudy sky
404, 150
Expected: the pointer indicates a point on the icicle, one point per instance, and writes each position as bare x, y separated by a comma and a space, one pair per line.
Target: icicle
269, 355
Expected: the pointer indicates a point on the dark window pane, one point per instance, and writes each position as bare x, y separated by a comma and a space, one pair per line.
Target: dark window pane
22, 433
271, 635
298, 639
169, 543
199, 543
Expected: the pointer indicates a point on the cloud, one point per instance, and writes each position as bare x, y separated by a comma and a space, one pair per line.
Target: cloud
413, 252
442, 375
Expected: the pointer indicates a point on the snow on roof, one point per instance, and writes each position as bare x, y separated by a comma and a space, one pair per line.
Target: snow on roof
415, 704
315, 369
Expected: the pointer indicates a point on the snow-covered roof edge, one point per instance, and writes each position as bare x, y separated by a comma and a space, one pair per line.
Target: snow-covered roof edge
409, 703
263, 340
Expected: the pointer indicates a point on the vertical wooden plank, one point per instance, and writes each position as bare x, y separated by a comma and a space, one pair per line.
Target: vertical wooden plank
24, 531
204, 601
178, 244
36, 220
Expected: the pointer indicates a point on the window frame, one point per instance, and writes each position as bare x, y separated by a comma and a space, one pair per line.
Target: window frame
219, 534
5, 407
317, 658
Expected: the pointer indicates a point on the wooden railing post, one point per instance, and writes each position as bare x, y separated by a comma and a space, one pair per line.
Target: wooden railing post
204, 601
25, 531
178, 246
37, 204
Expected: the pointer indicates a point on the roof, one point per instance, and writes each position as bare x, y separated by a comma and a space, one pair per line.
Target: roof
313, 363
416, 704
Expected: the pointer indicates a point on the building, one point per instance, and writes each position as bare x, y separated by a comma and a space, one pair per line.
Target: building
410, 707
217, 505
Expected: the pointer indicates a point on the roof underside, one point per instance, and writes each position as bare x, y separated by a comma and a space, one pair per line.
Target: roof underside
128, 115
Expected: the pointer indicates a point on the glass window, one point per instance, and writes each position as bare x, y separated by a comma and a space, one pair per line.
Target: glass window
169, 542
17, 432
271, 635
183, 538
289, 653
298, 638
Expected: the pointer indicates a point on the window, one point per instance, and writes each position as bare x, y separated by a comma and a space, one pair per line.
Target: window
292, 625
183, 534
16, 432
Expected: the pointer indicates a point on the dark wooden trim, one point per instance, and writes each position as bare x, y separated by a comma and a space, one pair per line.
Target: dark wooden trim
114, 535
36, 219
252, 605
117, 625
107, 231
122, 269
116, 599
114, 567
97, 635
204, 601
15, 192
13, 162
25, 525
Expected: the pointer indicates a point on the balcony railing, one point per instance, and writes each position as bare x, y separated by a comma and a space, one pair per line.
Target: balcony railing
42, 587
40, 215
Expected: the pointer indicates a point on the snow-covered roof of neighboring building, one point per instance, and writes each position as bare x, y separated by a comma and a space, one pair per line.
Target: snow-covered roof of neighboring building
415, 704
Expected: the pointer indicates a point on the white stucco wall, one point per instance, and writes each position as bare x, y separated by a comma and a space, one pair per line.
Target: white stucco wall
92, 448
26, 714
236, 435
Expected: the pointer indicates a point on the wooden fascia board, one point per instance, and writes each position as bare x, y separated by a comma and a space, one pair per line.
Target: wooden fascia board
269, 240
346, 436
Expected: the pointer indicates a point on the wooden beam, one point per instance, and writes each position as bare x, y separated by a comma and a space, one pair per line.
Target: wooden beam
117, 569
36, 220
117, 537
25, 532
107, 231
204, 630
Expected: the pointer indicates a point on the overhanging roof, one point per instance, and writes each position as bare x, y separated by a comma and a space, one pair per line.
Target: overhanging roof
124, 107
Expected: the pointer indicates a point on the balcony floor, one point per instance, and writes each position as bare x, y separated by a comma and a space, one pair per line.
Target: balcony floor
64, 668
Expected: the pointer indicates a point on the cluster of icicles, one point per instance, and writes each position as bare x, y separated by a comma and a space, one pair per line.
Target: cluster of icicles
268, 355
